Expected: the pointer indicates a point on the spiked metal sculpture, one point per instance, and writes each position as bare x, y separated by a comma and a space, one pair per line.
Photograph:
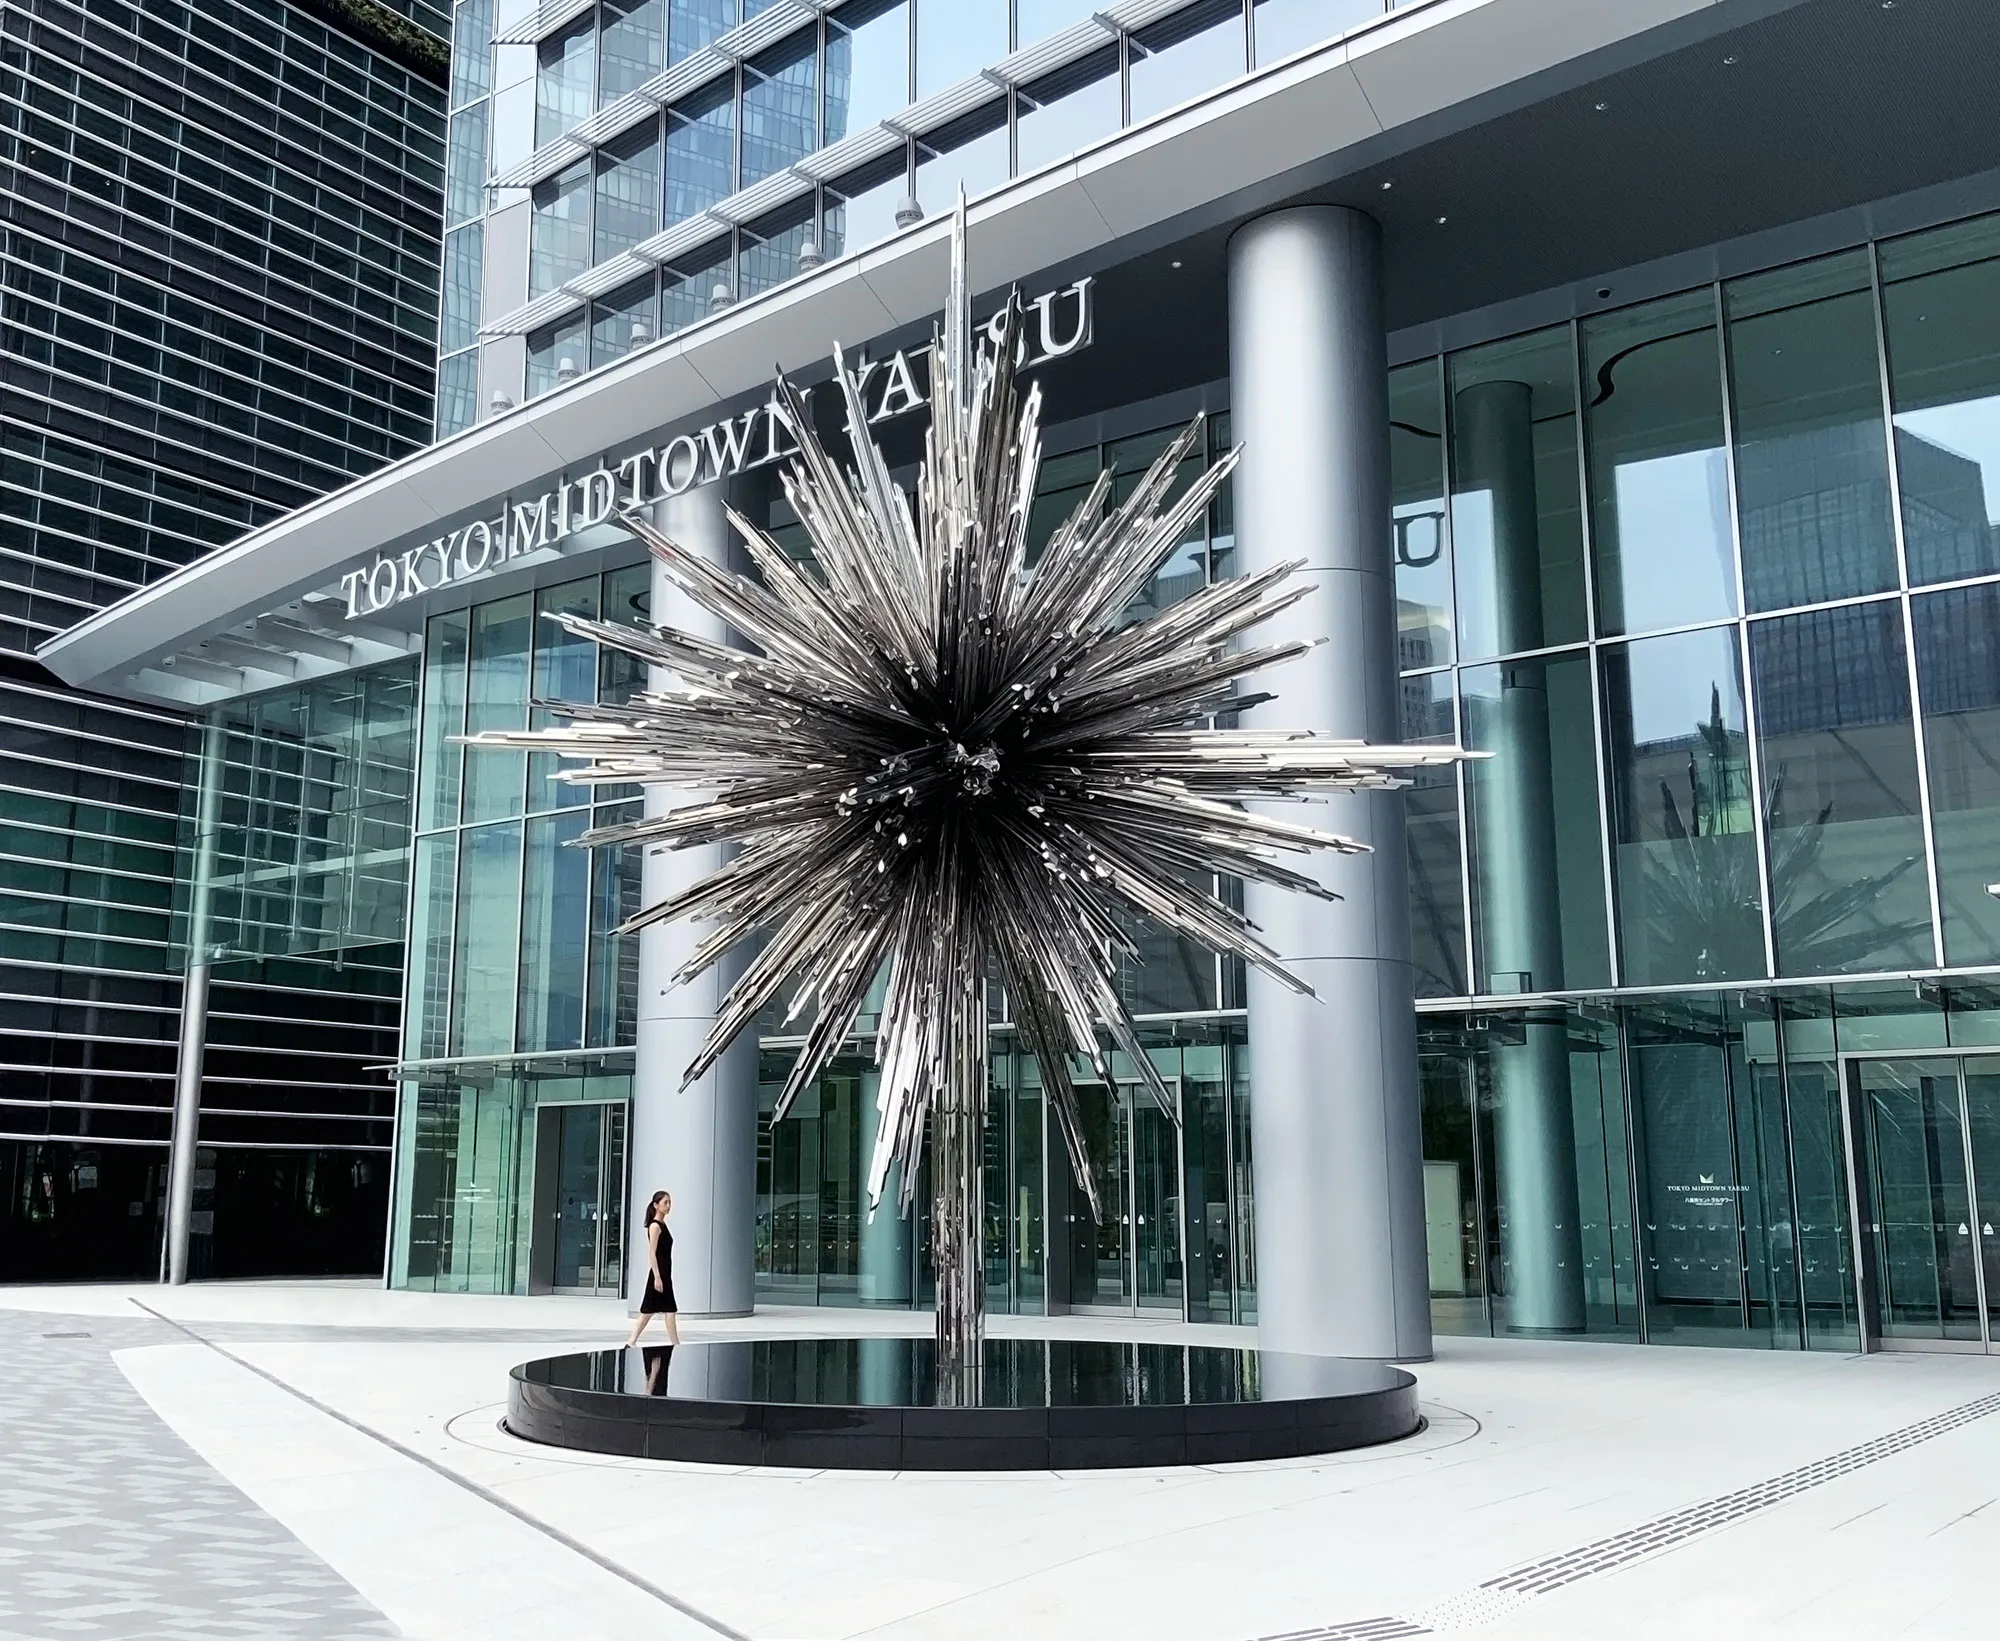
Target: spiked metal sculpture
948, 759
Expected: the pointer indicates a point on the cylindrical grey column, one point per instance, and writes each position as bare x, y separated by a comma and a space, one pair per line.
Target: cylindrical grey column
700, 1143
1337, 1147
193, 1047
1541, 1245
887, 1235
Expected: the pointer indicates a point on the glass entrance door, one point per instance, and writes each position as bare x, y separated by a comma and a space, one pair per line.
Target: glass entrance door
577, 1244
1927, 1194
1133, 1257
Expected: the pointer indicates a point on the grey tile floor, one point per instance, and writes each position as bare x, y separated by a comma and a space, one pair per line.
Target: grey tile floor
112, 1528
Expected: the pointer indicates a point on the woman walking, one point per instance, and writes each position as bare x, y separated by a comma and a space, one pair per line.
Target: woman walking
658, 1299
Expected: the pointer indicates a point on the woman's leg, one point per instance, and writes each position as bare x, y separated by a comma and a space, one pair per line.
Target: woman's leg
673, 1325
638, 1327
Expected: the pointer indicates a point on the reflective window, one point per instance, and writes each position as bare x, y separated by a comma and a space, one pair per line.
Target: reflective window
1286, 26
628, 191
497, 698
769, 253
1832, 698
971, 153
440, 757
626, 319
1940, 292
614, 958
1958, 675
471, 50
465, 165
1659, 476
861, 206
1536, 848
458, 325
1690, 906
692, 24
1421, 540
559, 232
1038, 19
1437, 895
555, 925
1068, 110
1182, 56
565, 79
1516, 527
867, 65
701, 152
564, 668
780, 116
489, 903
557, 354
634, 46
458, 394
688, 289
956, 39
1812, 461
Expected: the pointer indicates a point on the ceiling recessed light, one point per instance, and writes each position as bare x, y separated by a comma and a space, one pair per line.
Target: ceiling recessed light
1443, 220
1177, 262
1604, 293
1731, 60
1387, 186
1601, 107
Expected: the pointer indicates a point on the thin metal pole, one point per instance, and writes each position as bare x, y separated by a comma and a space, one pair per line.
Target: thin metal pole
194, 1009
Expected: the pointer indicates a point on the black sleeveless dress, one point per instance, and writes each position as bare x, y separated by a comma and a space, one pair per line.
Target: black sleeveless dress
658, 1298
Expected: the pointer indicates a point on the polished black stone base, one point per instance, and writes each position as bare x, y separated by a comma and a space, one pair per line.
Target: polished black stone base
870, 1404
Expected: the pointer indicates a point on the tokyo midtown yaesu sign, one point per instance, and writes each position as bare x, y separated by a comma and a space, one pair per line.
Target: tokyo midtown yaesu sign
1055, 324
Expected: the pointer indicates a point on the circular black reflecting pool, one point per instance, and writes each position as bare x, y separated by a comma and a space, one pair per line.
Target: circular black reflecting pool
870, 1404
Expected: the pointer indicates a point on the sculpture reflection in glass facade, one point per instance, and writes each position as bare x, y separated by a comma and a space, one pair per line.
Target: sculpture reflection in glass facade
944, 761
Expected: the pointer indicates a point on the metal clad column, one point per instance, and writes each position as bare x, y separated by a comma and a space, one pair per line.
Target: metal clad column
1336, 1137
699, 1143
193, 1047
1534, 1134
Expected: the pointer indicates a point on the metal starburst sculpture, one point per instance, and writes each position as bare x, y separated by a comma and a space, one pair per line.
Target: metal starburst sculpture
951, 760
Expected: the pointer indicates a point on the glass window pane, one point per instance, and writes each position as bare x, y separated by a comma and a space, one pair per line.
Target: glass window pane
471, 51
1286, 26
489, 916
1183, 56
687, 290
867, 65
1422, 543
1516, 527
565, 669
1690, 906
956, 39
614, 958
465, 165
780, 119
626, 319
459, 327
559, 233
1437, 892
1659, 478
701, 152
692, 24
634, 46
769, 254
442, 758
1812, 462
497, 698
1940, 292
628, 191
458, 394
1067, 111
565, 78
1848, 887
555, 907
1537, 857
427, 1008
861, 206
557, 355
1958, 674
1038, 19
972, 153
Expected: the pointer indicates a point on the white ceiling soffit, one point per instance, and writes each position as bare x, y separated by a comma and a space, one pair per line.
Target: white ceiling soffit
1294, 113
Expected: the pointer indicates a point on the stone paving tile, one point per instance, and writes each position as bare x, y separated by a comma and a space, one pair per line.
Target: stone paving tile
112, 1529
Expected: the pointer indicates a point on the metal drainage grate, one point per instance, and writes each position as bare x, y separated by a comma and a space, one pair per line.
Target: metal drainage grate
1539, 1577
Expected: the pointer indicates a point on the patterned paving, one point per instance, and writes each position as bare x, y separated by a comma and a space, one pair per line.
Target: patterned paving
112, 1528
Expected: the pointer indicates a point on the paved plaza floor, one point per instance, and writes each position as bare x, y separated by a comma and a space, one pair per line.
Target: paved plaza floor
323, 1461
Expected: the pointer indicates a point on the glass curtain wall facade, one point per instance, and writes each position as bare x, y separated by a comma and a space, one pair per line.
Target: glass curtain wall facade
1712, 579
584, 163
217, 301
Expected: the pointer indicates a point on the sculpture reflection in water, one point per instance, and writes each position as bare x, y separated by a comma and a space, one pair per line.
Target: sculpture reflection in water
951, 760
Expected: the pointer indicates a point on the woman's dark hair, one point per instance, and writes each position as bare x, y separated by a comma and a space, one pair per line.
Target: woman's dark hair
653, 1207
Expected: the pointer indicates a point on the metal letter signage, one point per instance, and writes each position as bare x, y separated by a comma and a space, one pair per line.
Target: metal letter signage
1054, 325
